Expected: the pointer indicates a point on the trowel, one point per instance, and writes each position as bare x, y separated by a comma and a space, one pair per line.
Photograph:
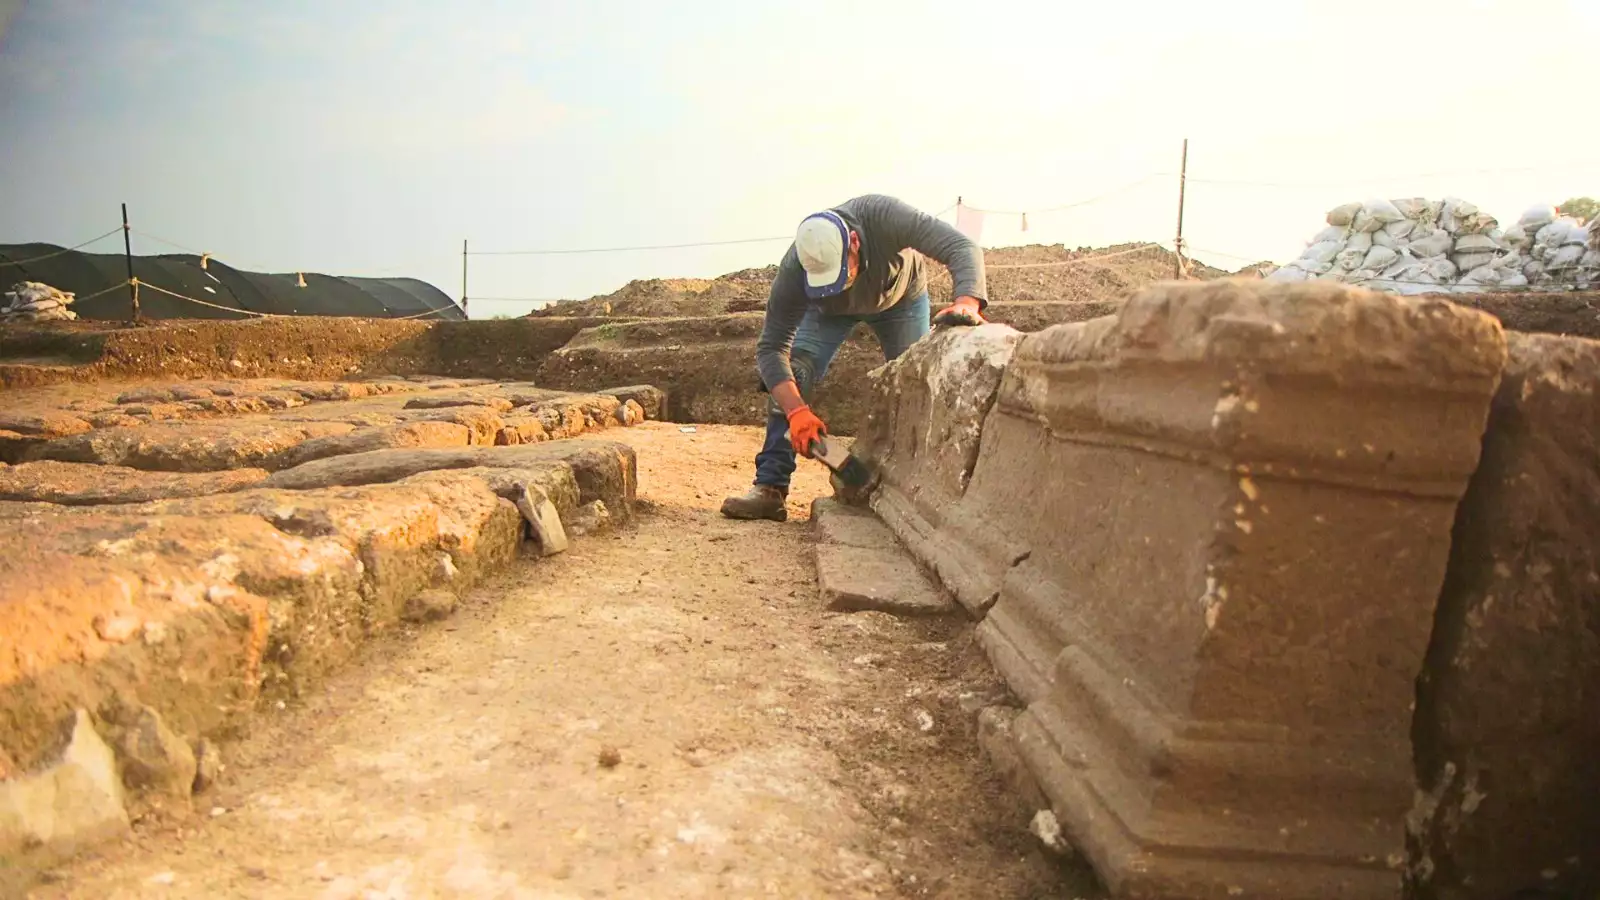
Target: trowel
852, 472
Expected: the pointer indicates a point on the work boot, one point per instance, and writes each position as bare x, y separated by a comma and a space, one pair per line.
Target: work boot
762, 501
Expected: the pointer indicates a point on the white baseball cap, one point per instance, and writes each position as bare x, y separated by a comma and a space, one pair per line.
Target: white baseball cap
822, 243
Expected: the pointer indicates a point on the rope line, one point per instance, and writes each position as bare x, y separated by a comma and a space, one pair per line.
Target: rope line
248, 312
765, 240
1081, 259
22, 262
1073, 205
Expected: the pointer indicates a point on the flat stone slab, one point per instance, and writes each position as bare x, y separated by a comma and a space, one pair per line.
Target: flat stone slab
189, 446
84, 484
836, 523
383, 437
856, 579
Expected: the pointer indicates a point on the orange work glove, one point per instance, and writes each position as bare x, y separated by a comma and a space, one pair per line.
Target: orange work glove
804, 427
965, 311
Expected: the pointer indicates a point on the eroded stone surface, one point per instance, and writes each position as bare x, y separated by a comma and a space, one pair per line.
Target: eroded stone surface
88, 484
1216, 525
651, 399
408, 434
1508, 714
189, 446
432, 605
836, 523
921, 437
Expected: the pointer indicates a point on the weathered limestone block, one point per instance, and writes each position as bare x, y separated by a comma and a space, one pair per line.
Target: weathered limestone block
408, 434
88, 485
1232, 507
922, 435
188, 446
446, 401
651, 399
73, 802
1508, 711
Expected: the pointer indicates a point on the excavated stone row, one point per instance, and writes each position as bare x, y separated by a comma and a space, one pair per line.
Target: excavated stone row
499, 415
200, 609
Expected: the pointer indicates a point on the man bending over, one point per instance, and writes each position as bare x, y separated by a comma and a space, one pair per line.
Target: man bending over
858, 262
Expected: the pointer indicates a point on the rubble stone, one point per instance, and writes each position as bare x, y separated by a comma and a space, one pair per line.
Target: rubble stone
71, 803
431, 605
153, 758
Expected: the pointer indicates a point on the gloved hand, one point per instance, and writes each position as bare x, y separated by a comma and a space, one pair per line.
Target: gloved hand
804, 427
964, 311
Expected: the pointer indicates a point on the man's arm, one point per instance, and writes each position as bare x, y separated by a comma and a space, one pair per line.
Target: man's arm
938, 240
786, 307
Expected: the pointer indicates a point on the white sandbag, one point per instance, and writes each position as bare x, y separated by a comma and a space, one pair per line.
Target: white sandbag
1515, 236
1322, 252
1564, 258
1360, 241
1552, 233
1290, 274
1337, 233
1418, 209
1383, 239
1379, 258
1513, 279
1400, 229
1343, 215
1436, 244
1475, 243
1533, 271
1365, 224
1477, 223
1350, 259
1439, 269
1537, 217
1382, 210
1466, 262
1577, 233
1591, 259
39, 305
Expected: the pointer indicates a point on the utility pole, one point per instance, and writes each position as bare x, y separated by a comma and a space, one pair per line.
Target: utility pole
127, 252
1177, 243
464, 278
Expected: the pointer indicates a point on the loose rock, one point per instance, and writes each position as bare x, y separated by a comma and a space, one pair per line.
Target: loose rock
430, 606
75, 802
154, 758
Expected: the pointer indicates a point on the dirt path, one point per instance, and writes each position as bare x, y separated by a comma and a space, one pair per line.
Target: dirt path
767, 748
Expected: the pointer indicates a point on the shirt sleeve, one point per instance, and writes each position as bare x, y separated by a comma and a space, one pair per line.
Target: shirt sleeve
786, 307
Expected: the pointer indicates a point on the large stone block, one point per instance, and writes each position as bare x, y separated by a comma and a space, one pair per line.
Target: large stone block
1508, 711
1226, 515
922, 435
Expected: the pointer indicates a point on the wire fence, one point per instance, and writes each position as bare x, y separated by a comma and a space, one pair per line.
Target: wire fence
1177, 245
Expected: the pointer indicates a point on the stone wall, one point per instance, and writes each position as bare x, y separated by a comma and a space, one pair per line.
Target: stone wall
1208, 539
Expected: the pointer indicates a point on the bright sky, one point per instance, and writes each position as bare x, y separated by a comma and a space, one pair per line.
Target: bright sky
370, 138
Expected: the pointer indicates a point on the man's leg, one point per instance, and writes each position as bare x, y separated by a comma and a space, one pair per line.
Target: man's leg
815, 345
901, 325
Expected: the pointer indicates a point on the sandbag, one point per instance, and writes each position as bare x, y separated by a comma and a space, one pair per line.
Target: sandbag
1436, 244
1439, 269
1475, 243
1515, 236
1379, 258
1361, 241
1350, 259
1513, 279
1382, 211
1290, 274
1383, 239
1321, 252
1564, 258
1537, 217
1466, 262
1337, 233
1343, 216
1400, 229
1418, 209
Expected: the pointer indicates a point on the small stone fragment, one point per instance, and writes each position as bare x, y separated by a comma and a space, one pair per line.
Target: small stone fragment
116, 628
1045, 827
430, 606
590, 518
543, 520
610, 757
155, 759
208, 765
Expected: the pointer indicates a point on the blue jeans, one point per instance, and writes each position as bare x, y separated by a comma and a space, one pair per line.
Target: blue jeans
815, 345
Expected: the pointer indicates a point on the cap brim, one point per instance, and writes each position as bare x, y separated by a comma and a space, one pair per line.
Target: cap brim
827, 286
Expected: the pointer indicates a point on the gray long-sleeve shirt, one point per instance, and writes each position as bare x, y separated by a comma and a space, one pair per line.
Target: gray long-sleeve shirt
894, 236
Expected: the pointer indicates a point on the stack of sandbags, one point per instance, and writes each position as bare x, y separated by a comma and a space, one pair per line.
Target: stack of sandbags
31, 301
1420, 246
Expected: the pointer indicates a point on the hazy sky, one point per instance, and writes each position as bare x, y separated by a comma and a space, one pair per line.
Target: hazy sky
370, 138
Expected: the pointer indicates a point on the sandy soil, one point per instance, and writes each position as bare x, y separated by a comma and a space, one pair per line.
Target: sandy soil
662, 712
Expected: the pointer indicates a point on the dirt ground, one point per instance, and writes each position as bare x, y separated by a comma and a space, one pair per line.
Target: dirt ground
660, 712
